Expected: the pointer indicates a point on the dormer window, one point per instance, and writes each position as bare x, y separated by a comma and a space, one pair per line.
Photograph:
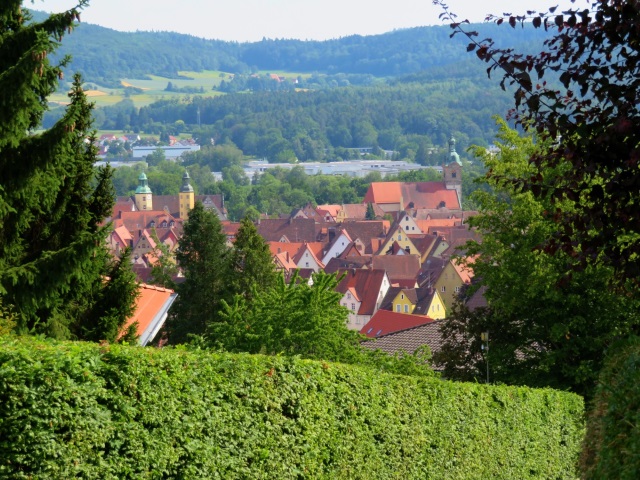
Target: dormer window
164, 223
172, 223
153, 223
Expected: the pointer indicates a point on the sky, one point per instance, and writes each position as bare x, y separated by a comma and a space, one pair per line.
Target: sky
252, 20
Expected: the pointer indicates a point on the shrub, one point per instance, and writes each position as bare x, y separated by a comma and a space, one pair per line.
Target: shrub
612, 443
91, 411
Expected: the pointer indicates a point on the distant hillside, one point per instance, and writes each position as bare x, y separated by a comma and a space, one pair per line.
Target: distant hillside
103, 55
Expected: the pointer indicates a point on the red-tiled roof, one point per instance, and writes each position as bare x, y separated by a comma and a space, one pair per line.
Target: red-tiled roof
367, 283
400, 268
151, 310
385, 322
417, 194
358, 211
384, 192
295, 229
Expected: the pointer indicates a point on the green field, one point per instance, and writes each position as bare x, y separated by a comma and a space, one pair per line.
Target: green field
146, 91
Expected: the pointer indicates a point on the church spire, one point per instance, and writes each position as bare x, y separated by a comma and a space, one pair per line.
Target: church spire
453, 155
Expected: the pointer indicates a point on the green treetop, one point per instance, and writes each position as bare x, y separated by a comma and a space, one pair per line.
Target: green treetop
203, 256
53, 265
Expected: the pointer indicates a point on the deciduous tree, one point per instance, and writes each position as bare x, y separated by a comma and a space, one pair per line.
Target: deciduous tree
546, 328
592, 123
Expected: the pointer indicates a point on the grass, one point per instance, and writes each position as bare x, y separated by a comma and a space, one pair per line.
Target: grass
153, 88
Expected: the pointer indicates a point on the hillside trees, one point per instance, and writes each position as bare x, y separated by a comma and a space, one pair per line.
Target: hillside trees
546, 328
53, 263
592, 122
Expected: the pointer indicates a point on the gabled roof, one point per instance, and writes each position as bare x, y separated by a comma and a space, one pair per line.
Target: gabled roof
367, 284
295, 229
409, 340
384, 192
215, 203
358, 211
385, 322
365, 230
330, 209
152, 306
285, 261
426, 224
415, 194
336, 264
402, 269
478, 299
168, 203
424, 243
306, 247
464, 269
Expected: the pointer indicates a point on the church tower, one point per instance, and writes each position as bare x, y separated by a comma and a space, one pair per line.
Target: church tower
187, 196
143, 196
452, 170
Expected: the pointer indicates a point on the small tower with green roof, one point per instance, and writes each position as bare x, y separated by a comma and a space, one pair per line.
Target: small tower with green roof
143, 196
187, 196
452, 170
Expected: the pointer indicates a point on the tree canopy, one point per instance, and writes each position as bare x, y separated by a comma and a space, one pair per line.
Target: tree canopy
546, 328
53, 262
591, 122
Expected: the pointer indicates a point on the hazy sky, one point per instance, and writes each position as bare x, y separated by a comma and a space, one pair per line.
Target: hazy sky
251, 20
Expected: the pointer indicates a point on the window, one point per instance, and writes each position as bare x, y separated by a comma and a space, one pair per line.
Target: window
153, 223
443, 289
398, 308
164, 224
402, 296
353, 306
306, 264
144, 199
399, 237
406, 309
349, 296
457, 289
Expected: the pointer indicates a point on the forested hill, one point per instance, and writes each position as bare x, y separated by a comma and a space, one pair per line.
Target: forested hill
105, 56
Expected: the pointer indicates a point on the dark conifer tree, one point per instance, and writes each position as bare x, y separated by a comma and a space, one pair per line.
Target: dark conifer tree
251, 261
203, 256
53, 261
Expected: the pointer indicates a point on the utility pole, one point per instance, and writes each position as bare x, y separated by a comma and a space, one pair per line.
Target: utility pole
484, 336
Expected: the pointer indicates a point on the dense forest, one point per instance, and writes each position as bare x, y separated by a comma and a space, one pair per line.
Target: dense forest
105, 56
408, 118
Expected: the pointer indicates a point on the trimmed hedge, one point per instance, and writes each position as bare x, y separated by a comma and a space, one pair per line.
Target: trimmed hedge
113, 412
612, 443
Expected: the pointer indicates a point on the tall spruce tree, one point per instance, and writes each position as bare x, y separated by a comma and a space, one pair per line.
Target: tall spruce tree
252, 265
203, 256
53, 262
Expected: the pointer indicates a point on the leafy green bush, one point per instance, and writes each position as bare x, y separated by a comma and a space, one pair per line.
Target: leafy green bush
612, 443
90, 411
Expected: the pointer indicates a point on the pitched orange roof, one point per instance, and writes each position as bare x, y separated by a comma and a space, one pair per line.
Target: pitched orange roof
152, 306
464, 269
424, 225
332, 209
385, 322
384, 192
